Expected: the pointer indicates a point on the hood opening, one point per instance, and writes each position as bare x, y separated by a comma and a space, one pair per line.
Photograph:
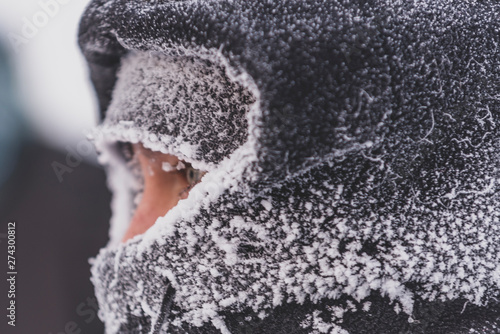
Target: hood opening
164, 180
196, 108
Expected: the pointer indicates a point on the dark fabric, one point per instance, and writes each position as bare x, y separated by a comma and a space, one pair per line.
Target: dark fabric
378, 139
310, 57
456, 316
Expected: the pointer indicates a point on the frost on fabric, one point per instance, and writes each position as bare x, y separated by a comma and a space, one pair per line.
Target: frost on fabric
318, 325
186, 86
178, 105
398, 193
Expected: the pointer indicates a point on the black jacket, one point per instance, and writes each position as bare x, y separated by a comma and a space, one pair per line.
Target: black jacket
361, 196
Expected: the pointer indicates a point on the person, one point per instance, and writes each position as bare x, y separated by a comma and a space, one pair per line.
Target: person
298, 166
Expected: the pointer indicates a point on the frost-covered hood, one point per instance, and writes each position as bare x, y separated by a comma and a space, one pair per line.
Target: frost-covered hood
358, 189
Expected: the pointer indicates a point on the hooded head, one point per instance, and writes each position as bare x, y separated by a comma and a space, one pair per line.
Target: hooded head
351, 150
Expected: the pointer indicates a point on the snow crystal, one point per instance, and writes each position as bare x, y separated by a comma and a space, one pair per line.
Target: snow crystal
180, 166
167, 167
266, 204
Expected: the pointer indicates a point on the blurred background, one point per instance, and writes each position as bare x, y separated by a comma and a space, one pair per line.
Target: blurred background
50, 183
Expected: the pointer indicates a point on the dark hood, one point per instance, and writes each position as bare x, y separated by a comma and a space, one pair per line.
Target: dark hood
370, 167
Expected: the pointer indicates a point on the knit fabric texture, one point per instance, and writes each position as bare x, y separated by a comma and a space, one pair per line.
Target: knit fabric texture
352, 158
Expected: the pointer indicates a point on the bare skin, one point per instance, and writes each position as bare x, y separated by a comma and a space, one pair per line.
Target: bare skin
162, 189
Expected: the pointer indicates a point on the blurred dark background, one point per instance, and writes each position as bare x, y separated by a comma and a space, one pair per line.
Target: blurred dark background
50, 183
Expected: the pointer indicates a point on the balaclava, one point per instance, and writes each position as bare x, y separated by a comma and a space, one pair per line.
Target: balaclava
352, 155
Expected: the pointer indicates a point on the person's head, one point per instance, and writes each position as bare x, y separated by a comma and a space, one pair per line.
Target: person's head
346, 182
